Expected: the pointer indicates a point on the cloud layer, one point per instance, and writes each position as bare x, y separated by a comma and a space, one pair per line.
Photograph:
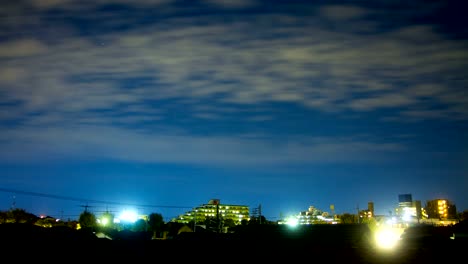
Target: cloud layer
75, 75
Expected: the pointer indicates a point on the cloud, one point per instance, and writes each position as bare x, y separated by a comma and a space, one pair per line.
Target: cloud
342, 12
232, 3
148, 69
49, 3
33, 144
11, 74
69, 4
383, 101
21, 48
200, 60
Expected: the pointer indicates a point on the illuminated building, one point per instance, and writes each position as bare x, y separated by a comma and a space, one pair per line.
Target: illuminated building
440, 209
370, 208
215, 210
369, 213
311, 216
408, 210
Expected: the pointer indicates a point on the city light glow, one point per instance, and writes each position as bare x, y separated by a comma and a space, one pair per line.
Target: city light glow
292, 222
128, 216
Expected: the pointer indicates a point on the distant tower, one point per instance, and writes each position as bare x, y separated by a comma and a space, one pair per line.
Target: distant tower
370, 208
405, 200
332, 209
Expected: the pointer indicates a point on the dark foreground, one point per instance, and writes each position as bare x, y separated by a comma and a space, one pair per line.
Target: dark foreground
332, 245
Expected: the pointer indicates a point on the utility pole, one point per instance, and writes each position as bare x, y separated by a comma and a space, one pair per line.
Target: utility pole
257, 213
260, 213
86, 207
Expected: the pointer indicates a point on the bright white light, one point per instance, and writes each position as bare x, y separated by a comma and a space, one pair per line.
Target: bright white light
104, 221
406, 218
386, 238
408, 214
391, 221
292, 221
129, 216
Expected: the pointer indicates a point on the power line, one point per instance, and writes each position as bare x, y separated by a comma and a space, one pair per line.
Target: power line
60, 197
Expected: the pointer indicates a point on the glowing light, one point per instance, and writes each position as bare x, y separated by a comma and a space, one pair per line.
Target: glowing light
129, 216
407, 215
387, 238
104, 221
292, 221
391, 221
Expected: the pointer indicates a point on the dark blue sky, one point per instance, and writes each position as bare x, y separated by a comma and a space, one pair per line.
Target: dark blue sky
163, 105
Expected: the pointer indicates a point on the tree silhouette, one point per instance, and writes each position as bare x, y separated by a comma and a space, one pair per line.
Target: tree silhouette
139, 226
257, 220
88, 221
3, 217
155, 224
348, 218
229, 223
21, 216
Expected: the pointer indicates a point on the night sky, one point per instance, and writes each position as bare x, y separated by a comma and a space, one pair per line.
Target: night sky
162, 105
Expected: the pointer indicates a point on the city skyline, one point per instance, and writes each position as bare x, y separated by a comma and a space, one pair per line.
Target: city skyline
286, 104
100, 207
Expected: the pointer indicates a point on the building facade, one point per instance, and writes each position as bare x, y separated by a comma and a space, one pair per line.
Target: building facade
215, 210
440, 209
408, 210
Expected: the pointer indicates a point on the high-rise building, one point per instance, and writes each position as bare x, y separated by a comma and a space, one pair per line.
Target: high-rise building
408, 210
405, 200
